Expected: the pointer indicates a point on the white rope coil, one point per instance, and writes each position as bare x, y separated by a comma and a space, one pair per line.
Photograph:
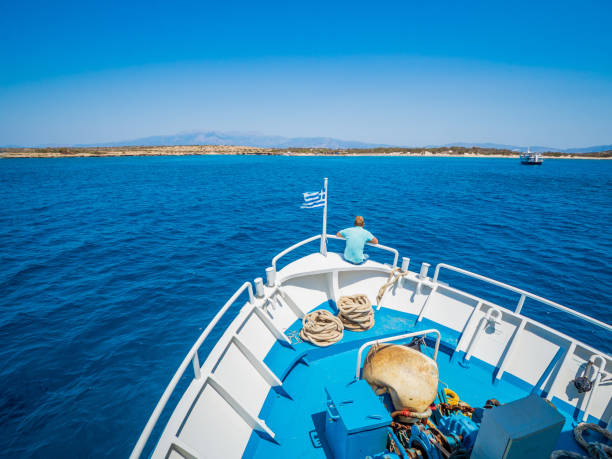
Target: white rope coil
321, 328
355, 312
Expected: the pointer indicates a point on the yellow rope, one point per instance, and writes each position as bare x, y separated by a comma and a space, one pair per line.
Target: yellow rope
453, 400
451, 397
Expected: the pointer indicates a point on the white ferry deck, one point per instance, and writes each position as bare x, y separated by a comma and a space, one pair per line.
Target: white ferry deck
261, 390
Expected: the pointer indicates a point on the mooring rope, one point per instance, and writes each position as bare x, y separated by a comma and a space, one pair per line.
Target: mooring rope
412, 414
321, 328
355, 312
594, 449
395, 275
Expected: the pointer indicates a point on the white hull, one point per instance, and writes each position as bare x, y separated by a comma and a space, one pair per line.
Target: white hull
221, 408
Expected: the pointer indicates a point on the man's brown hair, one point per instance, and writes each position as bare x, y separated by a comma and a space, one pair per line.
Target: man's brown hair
359, 221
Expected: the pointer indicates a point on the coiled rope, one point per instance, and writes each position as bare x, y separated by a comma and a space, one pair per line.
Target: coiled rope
594, 449
356, 312
321, 328
395, 275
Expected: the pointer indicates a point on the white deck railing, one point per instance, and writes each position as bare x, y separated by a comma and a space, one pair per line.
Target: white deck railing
191, 357
292, 248
330, 236
378, 246
524, 294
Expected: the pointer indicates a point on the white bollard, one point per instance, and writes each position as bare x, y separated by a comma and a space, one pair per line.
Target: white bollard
271, 276
424, 270
405, 263
259, 287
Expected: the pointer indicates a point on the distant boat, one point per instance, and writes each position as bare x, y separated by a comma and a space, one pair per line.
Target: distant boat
532, 159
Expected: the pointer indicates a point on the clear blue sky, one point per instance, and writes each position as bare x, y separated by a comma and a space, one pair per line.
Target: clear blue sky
406, 72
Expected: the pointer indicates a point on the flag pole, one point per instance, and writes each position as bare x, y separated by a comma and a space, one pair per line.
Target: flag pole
324, 232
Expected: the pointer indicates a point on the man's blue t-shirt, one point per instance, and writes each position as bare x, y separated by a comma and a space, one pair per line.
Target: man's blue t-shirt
356, 237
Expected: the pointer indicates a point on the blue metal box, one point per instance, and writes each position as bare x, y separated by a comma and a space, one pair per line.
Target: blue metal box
522, 429
356, 421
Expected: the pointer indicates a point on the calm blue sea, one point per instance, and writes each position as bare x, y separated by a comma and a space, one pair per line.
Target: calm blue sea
111, 267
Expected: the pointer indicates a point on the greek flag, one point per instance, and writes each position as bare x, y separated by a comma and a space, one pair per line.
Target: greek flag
314, 199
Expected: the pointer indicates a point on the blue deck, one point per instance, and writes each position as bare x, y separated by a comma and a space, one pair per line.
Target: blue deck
306, 370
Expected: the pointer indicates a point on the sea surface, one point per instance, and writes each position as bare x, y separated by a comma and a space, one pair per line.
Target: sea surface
110, 268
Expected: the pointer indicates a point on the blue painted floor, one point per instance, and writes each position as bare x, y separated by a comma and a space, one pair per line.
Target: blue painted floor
307, 370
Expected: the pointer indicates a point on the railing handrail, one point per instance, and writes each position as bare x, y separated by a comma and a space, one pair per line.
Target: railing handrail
190, 357
330, 236
524, 294
378, 246
292, 248
397, 338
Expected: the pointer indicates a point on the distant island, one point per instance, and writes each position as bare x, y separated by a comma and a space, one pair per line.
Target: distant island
183, 150
254, 143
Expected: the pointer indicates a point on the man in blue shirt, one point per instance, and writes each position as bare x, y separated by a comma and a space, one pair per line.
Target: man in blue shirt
356, 238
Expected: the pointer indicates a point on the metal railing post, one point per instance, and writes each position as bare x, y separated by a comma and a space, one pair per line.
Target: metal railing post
436, 272
251, 296
487, 320
519, 306
196, 366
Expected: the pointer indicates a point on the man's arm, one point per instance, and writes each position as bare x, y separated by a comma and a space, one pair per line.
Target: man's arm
339, 234
373, 241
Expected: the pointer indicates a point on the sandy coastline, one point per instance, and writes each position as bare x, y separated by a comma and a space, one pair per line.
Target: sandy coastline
186, 150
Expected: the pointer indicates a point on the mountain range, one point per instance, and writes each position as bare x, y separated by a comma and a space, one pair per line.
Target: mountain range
255, 139
250, 139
